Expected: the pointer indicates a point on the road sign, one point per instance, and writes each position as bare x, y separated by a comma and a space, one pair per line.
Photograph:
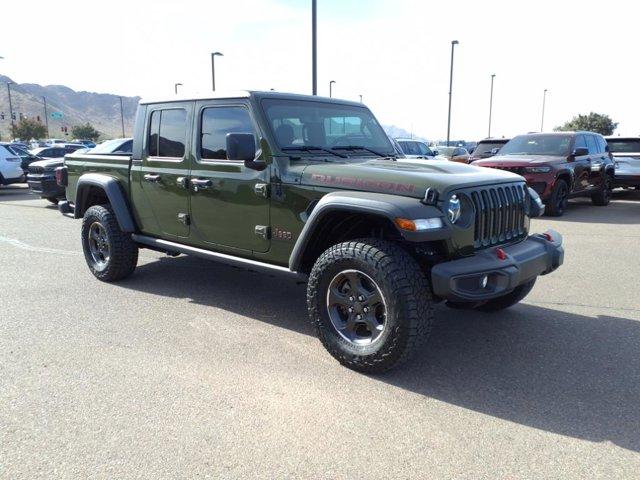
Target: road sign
57, 115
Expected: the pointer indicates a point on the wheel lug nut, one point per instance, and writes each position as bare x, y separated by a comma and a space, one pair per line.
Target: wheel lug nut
365, 309
351, 299
360, 298
350, 309
359, 317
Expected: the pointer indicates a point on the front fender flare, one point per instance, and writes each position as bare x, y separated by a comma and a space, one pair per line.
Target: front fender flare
114, 192
380, 204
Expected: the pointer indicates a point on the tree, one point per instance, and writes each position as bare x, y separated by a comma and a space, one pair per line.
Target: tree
27, 129
85, 131
594, 122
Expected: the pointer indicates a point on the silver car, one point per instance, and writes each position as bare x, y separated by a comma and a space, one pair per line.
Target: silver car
626, 153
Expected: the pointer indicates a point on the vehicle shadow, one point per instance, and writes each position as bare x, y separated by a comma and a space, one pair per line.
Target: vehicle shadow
624, 209
16, 192
560, 372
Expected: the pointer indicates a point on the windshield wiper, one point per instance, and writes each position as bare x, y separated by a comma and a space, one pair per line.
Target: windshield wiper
360, 147
310, 148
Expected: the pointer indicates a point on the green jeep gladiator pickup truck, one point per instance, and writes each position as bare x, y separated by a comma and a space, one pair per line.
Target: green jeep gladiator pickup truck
313, 187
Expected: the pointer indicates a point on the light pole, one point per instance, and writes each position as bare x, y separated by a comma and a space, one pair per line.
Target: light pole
490, 104
175, 87
330, 88
10, 107
544, 100
360, 98
122, 116
46, 117
453, 44
314, 48
213, 69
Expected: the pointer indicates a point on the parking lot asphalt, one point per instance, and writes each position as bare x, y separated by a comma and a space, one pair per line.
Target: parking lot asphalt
191, 369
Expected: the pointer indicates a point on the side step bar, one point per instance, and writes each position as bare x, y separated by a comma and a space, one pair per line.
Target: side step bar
167, 246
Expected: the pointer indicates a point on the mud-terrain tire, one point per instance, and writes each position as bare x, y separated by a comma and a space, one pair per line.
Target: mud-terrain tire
378, 275
603, 197
110, 253
508, 300
53, 200
559, 199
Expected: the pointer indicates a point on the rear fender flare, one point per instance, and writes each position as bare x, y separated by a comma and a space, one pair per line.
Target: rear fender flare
114, 192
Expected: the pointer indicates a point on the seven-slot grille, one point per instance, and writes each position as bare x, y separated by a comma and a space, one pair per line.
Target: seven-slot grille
518, 170
499, 214
36, 169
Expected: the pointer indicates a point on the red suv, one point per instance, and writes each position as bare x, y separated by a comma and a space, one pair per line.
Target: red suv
559, 166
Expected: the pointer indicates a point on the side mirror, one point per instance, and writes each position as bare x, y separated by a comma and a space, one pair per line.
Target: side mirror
242, 146
580, 152
494, 151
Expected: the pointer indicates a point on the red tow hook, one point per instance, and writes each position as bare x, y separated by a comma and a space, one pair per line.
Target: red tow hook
502, 255
548, 236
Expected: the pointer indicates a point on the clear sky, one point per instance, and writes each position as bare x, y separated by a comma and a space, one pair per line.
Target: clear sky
395, 53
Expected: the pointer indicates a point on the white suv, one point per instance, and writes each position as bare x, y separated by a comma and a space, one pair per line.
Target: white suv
10, 167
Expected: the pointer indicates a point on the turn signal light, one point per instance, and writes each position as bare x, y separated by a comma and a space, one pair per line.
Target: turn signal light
420, 224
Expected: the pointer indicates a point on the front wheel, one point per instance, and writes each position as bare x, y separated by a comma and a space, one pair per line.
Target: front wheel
109, 252
370, 304
603, 197
558, 200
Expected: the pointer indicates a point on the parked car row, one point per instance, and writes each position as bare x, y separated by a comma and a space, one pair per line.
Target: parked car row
41, 176
558, 166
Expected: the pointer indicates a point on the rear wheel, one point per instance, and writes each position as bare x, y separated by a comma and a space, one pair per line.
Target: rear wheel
603, 197
109, 252
507, 300
370, 304
559, 199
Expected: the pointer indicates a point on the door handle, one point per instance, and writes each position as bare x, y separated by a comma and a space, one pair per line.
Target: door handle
152, 177
200, 184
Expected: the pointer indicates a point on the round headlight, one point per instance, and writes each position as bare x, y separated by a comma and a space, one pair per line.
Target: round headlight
454, 209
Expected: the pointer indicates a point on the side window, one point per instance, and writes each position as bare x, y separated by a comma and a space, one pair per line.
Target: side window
591, 144
168, 133
216, 123
602, 144
126, 147
154, 125
580, 142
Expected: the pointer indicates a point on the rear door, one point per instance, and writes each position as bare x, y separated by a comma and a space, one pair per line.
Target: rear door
164, 170
229, 202
596, 161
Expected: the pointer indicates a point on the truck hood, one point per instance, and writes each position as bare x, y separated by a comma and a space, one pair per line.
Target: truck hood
518, 160
407, 178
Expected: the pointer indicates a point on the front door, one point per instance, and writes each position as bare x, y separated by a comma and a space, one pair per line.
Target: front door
229, 202
164, 171
581, 165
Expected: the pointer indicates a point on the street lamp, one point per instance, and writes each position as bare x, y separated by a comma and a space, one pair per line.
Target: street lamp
175, 87
453, 44
360, 98
122, 116
213, 70
10, 106
544, 99
314, 48
330, 88
491, 104
46, 118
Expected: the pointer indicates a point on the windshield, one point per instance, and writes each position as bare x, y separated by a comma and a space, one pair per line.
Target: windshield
304, 123
624, 145
446, 151
538, 145
415, 148
486, 147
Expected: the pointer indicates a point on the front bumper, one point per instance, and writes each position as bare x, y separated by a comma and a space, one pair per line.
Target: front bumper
622, 180
45, 186
461, 280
